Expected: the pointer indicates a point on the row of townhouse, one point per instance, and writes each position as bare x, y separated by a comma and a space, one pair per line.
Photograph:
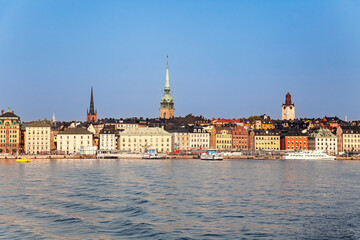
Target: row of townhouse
348, 138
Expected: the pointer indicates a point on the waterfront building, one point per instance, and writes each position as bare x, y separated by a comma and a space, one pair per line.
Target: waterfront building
167, 103
91, 115
199, 138
288, 109
72, 140
223, 138
267, 140
348, 138
180, 138
324, 140
108, 138
240, 138
38, 137
139, 139
9, 132
293, 140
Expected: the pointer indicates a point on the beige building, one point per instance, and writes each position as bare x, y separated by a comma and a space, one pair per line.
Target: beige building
38, 137
348, 138
139, 139
72, 140
181, 139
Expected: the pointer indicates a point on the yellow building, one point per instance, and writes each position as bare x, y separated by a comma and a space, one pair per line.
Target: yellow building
265, 140
223, 138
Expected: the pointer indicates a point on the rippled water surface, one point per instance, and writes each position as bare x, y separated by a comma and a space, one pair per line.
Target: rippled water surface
179, 199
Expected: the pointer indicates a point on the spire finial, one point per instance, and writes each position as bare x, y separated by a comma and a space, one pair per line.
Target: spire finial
167, 80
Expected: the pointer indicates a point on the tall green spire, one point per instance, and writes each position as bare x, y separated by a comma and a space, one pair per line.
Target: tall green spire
167, 100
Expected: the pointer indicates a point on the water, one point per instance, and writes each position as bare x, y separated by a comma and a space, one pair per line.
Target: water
179, 199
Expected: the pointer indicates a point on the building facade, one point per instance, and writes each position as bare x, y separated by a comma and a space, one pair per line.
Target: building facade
293, 141
323, 140
288, 109
267, 140
167, 103
348, 138
72, 140
223, 138
38, 137
181, 139
240, 138
199, 138
9, 132
108, 138
137, 140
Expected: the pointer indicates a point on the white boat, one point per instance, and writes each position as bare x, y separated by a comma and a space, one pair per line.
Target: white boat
151, 154
212, 154
309, 155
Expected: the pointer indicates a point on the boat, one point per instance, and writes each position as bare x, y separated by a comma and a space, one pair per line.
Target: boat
23, 160
151, 154
212, 154
309, 155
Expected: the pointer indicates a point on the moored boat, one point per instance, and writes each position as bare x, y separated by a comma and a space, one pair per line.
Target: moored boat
212, 154
309, 155
151, 154
23, 160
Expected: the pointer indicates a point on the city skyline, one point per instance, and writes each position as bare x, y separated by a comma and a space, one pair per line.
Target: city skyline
225, 60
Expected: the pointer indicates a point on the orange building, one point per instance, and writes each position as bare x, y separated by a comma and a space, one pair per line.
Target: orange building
293, 140
9, 132
240, 138
223, 121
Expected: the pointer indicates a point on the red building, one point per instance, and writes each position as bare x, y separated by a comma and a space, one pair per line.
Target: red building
293, 140
240, 138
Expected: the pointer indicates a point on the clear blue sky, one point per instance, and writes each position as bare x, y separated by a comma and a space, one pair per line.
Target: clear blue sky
226, 58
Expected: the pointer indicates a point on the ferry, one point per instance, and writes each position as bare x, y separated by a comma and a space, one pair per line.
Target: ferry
151, 154
23, 160
212, 154
309, 155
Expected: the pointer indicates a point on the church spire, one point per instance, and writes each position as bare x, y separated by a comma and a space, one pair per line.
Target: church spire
167, 102
92, 110
167, 79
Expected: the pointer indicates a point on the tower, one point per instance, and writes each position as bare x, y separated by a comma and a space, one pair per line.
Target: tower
167, 102
91, 116
288, 109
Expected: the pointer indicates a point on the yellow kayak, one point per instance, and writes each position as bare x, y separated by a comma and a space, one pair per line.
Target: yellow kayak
23, 160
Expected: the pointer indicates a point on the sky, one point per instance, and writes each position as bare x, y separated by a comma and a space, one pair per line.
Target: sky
227, 59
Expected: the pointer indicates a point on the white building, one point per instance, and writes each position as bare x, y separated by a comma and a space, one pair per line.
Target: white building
108, 138
38, 136
324, 140
139, 139
72, 140
199, 138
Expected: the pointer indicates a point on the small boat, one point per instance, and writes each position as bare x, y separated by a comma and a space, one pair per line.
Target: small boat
23, 160
309, 155
212, 154
151, 154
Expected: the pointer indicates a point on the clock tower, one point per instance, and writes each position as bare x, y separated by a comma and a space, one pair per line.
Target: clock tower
288, 109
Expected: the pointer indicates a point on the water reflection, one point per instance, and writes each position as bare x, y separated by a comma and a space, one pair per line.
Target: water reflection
174, 199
